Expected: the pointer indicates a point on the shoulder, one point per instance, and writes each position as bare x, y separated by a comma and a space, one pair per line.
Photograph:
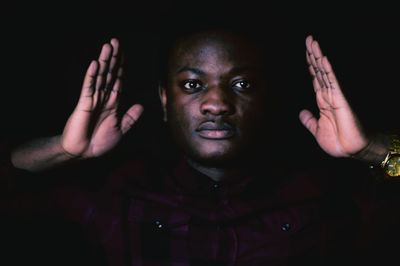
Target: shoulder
336, 180
146, 173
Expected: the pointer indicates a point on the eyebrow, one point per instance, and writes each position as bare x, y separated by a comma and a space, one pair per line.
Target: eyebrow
191, 69
233, 71
238, 70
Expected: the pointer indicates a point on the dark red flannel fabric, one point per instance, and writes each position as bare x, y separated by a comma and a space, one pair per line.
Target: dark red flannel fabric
149, 215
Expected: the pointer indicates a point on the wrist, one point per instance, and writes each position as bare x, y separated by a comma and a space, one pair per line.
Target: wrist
382, 151
375, 151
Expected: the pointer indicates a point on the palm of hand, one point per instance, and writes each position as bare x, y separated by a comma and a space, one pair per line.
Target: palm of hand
337, 130
106, 135
94, 127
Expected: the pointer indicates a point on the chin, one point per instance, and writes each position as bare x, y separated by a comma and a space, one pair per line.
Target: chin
214, 157
213, 152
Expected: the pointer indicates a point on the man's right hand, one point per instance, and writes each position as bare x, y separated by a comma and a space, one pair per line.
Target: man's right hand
94, 128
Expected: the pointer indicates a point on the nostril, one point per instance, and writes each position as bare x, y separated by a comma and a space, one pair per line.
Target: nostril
215, 108
216, 101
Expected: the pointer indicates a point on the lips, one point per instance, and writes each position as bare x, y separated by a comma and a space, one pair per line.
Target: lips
215, 130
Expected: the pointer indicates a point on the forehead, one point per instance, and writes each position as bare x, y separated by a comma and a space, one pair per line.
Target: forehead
215, 46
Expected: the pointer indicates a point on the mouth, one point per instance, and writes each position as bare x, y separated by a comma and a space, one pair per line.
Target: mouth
215, 131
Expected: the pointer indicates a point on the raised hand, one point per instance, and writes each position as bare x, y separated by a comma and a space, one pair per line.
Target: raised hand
94, 128
337, 129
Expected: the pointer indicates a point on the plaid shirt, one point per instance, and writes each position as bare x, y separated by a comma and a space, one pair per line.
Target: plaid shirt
147, 216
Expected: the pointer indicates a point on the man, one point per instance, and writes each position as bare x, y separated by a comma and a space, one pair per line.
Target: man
214, 206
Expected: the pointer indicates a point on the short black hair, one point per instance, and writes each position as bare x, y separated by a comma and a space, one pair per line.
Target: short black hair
173, 33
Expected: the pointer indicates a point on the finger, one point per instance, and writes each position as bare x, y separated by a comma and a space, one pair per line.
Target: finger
313, 61
86, 98
104, 62
327, 69
316, 84
312, 71
130, 117
319, 78
314, 53
89, 80
112, 101
331, 76
309, 121
325, 80
115, 90
319, 64
316, 57
321, 75
309, 41
308, 58
115, 54
114, 63
316, 49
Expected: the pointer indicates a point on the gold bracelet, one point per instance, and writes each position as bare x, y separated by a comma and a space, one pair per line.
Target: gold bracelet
391, 163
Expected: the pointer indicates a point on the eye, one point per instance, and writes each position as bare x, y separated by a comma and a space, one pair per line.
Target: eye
192, 85
241, 85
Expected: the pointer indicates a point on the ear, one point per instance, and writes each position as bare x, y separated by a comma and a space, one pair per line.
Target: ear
162, 93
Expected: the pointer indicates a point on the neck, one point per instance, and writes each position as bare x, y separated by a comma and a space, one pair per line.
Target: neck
216, 173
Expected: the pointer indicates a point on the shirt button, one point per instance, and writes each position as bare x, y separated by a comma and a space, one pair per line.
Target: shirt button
216, 185
159, 224
285, 227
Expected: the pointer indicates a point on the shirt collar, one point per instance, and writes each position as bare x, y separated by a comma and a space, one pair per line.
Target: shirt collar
188, 180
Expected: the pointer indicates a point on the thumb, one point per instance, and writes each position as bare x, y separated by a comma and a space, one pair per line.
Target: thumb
309, 121
130, 117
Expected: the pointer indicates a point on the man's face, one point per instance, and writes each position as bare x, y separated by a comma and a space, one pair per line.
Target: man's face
214, 97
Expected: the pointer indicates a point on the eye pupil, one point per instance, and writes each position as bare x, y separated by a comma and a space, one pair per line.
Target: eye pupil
191, 85
243, 84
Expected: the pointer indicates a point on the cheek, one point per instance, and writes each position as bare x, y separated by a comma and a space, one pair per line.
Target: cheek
246, 110
252, 117
181, 117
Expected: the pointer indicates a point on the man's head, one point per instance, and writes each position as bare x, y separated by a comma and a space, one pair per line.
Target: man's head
213, 95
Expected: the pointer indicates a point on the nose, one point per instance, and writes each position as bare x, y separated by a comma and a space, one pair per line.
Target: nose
217, 101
